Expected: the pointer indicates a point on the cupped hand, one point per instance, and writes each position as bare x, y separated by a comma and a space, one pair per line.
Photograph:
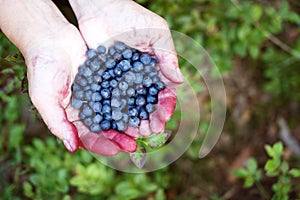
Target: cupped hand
103, 22
52, 65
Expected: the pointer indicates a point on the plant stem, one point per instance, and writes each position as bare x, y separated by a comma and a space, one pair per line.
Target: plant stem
262, 190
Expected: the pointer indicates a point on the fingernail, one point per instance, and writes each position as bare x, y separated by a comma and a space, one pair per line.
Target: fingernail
68, 145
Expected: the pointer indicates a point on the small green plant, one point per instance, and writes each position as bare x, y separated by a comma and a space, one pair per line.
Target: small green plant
274, 167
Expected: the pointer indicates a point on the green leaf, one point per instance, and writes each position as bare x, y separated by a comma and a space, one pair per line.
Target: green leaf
156, 140
295, 173
139, 157
15, 58
16, 135
249, 182
252, 165
269, 150
27, 188
240, 173
256, 12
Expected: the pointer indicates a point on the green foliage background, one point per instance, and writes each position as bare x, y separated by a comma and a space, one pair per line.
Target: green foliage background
257, 32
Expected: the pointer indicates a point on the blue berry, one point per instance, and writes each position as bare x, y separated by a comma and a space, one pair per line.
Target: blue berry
114, 125
95, 128
153, 91
79, 95
89, 80
102, 57
150, 107
106, 101
134, 121
105, 93
133, 112
95, 87
140, 101
76, 103
135, 57
95, 65
105, 84
97, 107
159, 85
130, 92
91, 53
145, 58
125, 117
131, 101
141, 90
111, 50
123, 104
138, 78
88, 95
101, 49
87, 72
120, 46
147, 81
129, 77
117, 57
81, 70
98, 118
87, 111
110, 63
111, 72
121, 125
127, 54
118, 71
81, 81
153, 62
88, 121
143, 114
105, 125
106, 75
116, 114
113, 83
115, 102
123, 86
151, 99
107, 116
106, 109
116, 92
138, 66
124, 65
96, 96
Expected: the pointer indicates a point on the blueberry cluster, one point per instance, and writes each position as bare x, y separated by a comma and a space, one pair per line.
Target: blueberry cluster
116, 87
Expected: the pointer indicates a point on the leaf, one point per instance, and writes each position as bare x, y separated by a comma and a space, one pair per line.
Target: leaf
14, 58
240, 173
157, 140
295, 173
139, 157
252, 165
256, 12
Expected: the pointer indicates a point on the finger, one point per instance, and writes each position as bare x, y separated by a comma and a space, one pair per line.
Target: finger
168, 64
125, 142
99, 144
145, 128
132, 131
55, 118
165, 109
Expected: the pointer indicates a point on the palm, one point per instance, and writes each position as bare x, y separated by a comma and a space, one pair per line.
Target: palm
130, 23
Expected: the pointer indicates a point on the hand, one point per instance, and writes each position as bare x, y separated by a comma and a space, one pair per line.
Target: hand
53, 50
101, 22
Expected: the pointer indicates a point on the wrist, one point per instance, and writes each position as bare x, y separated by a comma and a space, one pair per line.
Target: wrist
25, 22
85, 9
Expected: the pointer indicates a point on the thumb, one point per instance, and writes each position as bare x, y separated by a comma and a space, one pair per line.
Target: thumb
49, 90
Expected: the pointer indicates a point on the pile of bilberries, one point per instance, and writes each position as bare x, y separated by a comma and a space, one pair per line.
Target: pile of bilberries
116, 88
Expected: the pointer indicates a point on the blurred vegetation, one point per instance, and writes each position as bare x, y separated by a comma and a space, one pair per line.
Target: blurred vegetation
263, 35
